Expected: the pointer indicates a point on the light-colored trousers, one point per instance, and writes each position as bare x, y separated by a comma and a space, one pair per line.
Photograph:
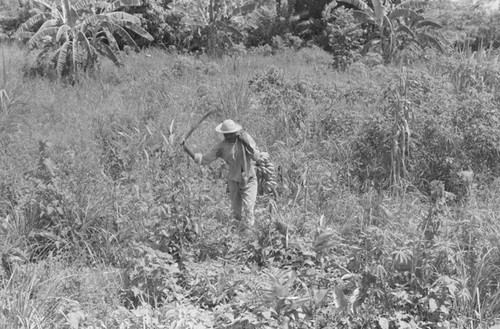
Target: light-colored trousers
243, 198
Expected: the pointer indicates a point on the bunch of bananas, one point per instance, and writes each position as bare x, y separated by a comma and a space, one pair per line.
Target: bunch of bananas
266, 174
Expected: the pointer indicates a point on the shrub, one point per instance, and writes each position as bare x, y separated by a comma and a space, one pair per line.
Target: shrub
345, 37
162, 23
263, 25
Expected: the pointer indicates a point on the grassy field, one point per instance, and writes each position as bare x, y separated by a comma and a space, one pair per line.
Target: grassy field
106, 223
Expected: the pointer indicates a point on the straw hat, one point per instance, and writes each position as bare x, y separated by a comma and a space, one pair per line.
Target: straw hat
228, 127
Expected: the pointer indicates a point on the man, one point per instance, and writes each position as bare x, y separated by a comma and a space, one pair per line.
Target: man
239, 151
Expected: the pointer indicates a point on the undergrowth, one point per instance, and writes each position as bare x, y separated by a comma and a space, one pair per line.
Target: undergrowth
386, 213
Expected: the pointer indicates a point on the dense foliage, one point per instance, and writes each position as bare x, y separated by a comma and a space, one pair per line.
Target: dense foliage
385, 206
386, 212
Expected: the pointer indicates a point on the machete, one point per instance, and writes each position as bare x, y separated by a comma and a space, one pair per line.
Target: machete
193, 128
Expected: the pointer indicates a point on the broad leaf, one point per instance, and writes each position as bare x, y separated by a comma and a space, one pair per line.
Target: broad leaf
138, 30
405, 13
366, 17
32, 21
125, 3
24, 35
44, 4
378, 9
358, 4
123, 16
320, 297
428, 39
229, 29
106, 51
63, 30
111, 39
83, 4
426, 23
243, 10
62, 58
93, 20
126, 38
48, 23
82, 39
37, 37
412, 4
387, 23
75, 58
406, 29
69, 14
226, 40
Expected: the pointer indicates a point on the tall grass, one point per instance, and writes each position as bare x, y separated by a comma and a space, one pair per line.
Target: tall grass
113, 179
27, 301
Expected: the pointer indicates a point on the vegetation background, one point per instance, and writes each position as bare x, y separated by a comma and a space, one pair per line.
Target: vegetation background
383, 126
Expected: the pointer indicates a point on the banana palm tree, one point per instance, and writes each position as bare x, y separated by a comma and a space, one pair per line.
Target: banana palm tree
397, 26
74, 35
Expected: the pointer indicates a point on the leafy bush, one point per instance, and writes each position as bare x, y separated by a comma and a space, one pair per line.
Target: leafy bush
213, 25
344, 36
263, 25
150, 277
161, 22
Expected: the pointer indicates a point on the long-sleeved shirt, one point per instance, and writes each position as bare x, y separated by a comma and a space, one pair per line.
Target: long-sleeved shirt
232, 154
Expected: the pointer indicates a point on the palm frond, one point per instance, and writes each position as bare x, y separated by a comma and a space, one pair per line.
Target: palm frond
49, 23
366, 17
405, 29
228, 28
358, 4
56, 13
44, 4
93, 20
82, 4
404, 13
37, 37
31, 22
245, 9
427, 23
75, 56
378, 9
106, 51
63, 30
425, 38
24, 35
123, 16
126, 38
66, 7
137, 30
82, 39
387, 23
415, 46
413, 4
62, 58
226, 40
115, 5
111, 39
